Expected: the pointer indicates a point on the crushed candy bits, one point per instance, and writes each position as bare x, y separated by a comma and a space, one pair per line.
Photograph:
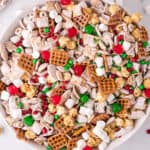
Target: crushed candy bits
75, 69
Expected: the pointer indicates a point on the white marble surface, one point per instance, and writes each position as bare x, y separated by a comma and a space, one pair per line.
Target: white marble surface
140, 141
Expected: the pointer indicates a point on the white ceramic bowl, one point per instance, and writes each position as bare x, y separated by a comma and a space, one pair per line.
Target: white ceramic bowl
5, 35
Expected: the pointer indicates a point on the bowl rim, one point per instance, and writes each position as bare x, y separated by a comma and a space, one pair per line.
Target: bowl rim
5, 36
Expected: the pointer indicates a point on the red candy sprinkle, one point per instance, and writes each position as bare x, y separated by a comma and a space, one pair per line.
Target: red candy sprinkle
120, 37
78, 70
45, 55
65, 2
44, 130
56, 99
81, 42
19, 43
30, 111
135, 59
35, 112
87, 148
13, 90
72, 32
147, 93
118, 49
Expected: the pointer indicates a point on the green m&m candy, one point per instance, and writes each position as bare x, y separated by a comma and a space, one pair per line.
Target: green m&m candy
28, 121
56, 117
116, 107
141, 87
123, 55
18, 50
146, 44
46, 30
129, 64
84, 98
89, 29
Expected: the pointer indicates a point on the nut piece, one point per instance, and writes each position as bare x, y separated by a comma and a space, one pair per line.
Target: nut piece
127, 19
30, 135
63, 41
147, 83
136, 33
68, 121
113, 8
136, 17
73, 112
71, 45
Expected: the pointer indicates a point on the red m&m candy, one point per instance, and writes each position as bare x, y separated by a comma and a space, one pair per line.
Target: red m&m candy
56, 99
147, 93
45, 55
87, 148
118, 49
78, 70
13, 90
65, 2
72, 32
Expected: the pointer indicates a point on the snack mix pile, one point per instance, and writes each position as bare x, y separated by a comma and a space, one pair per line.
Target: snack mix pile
75, 75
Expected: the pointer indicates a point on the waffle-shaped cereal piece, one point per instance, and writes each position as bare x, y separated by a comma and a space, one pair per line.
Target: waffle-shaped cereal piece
98, 117
59, 57
61, 127
116, 19
2, 86
141, 50
107, 86
126, 104
143, 34
57, 141
82, 20
72, 143
91, 72
25, 63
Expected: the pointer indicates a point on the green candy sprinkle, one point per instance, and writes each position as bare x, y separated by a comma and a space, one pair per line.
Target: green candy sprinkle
141, 87
18, 50
34, 61
67, 67
116, 107
129, 64
118, 68
134, 72
146, 44
64, 148
20, 105
121, 42
60, 47
28, 121
49, 147
52, 124
46, 90
46, 30
56, 117
123, 55
54, 84
84, 98
70, 62
142, 62
148, 100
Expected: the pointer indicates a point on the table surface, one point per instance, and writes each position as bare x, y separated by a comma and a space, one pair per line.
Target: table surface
8, 141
